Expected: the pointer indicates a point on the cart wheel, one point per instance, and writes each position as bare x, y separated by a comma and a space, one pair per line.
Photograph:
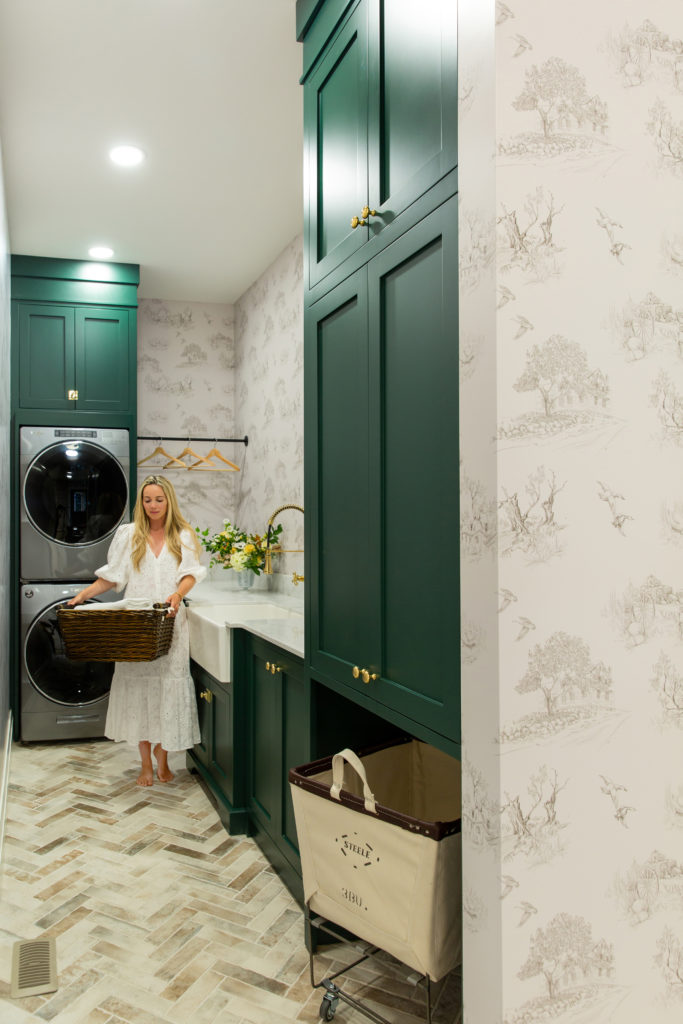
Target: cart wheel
327, 1010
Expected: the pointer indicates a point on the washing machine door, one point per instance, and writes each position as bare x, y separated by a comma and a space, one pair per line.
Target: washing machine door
75, 492
74, 683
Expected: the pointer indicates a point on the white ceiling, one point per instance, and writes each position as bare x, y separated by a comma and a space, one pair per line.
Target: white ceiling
207, 88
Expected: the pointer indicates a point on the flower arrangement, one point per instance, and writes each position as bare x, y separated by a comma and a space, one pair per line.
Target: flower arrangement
236, 549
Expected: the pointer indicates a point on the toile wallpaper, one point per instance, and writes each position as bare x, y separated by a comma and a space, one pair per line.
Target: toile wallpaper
207, 370
571, 289
269, 399
186, 388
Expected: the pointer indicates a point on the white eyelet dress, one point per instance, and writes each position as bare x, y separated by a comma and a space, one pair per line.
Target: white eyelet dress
153, 700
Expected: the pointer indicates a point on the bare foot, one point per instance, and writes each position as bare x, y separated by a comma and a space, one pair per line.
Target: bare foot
164, 773
146, 777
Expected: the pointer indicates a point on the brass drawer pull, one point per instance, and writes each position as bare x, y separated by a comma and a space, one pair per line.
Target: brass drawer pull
206, 695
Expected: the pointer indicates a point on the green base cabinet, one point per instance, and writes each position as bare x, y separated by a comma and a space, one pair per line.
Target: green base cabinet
278, 738
219, 757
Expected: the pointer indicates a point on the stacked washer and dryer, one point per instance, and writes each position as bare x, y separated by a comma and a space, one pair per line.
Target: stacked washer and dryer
74, 494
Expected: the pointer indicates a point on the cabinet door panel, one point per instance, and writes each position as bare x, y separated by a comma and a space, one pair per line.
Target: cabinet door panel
46, 356
204, 714
266, 745
413, 102
414, 366
102, 359
335, 115
295, 749
342, 583
222, 748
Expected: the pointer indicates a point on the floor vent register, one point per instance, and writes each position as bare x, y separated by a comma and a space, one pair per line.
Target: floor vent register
34, 968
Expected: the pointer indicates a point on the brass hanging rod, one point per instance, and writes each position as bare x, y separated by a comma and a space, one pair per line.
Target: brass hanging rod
190, 437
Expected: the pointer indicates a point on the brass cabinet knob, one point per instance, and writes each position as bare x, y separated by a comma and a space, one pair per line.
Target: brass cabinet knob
72, 395
362, 673
363, 219
275, 668
267, 666
206, 695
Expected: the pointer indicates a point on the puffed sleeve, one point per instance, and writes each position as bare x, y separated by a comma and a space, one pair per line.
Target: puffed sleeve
189, 563
117, 569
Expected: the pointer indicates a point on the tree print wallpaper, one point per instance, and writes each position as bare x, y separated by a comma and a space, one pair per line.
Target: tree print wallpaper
571, 357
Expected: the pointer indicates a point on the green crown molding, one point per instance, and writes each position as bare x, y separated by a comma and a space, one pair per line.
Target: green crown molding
44, 279
75, 270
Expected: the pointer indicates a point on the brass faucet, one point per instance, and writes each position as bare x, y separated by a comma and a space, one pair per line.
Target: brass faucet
268, 566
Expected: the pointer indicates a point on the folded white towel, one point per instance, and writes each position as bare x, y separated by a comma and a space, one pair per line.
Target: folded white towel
128, 604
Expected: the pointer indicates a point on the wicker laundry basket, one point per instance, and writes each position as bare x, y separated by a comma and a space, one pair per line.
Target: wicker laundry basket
120, 634
387, 869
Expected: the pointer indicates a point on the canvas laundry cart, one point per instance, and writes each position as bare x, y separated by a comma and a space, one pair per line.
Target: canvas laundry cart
380, 849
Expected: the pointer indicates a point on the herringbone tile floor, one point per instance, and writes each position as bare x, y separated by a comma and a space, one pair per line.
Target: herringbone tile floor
159, 916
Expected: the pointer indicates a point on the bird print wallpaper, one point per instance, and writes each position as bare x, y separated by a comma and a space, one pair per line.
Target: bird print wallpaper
571, 456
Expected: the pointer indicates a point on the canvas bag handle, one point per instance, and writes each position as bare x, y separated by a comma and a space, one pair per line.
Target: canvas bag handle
338, 777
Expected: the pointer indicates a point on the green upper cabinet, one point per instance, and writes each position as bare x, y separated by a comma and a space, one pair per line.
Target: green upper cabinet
379, 121
74, 337
44, 337
73, 357
383, 480
103, 359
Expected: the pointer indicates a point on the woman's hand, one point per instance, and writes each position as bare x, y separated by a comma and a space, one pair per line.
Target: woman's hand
174, 600
78, 599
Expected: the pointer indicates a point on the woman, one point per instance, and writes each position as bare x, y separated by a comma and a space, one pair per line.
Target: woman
152, 703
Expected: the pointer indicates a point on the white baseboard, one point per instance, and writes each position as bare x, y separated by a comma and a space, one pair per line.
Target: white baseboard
5, 754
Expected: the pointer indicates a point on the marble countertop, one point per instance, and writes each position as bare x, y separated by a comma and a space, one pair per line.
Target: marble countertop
285, 633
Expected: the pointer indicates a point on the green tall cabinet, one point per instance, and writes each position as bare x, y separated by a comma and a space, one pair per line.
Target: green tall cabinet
73, 364
381, 359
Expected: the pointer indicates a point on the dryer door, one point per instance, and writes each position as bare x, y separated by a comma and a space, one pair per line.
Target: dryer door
53, 675
75, 495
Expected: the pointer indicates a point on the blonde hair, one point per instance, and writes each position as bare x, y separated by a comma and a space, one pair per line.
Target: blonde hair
173, 526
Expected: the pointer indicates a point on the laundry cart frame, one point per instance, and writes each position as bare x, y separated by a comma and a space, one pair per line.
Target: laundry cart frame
387, 873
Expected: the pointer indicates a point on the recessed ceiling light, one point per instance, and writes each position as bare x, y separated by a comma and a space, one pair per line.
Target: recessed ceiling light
100, 252
126, 156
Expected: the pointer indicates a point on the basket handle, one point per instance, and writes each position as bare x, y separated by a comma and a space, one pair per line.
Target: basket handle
338, 777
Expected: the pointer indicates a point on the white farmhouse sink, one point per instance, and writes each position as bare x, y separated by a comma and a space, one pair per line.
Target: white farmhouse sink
209, 626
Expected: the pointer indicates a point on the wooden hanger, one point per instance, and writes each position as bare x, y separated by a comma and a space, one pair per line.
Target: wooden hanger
161, 451
230, 467
186, 451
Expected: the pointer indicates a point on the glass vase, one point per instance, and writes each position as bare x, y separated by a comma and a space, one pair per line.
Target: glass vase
245, 579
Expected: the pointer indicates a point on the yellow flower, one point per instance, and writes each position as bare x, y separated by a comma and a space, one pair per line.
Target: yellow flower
249, 548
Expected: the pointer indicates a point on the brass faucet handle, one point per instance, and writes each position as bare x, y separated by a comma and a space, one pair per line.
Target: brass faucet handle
296, 579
